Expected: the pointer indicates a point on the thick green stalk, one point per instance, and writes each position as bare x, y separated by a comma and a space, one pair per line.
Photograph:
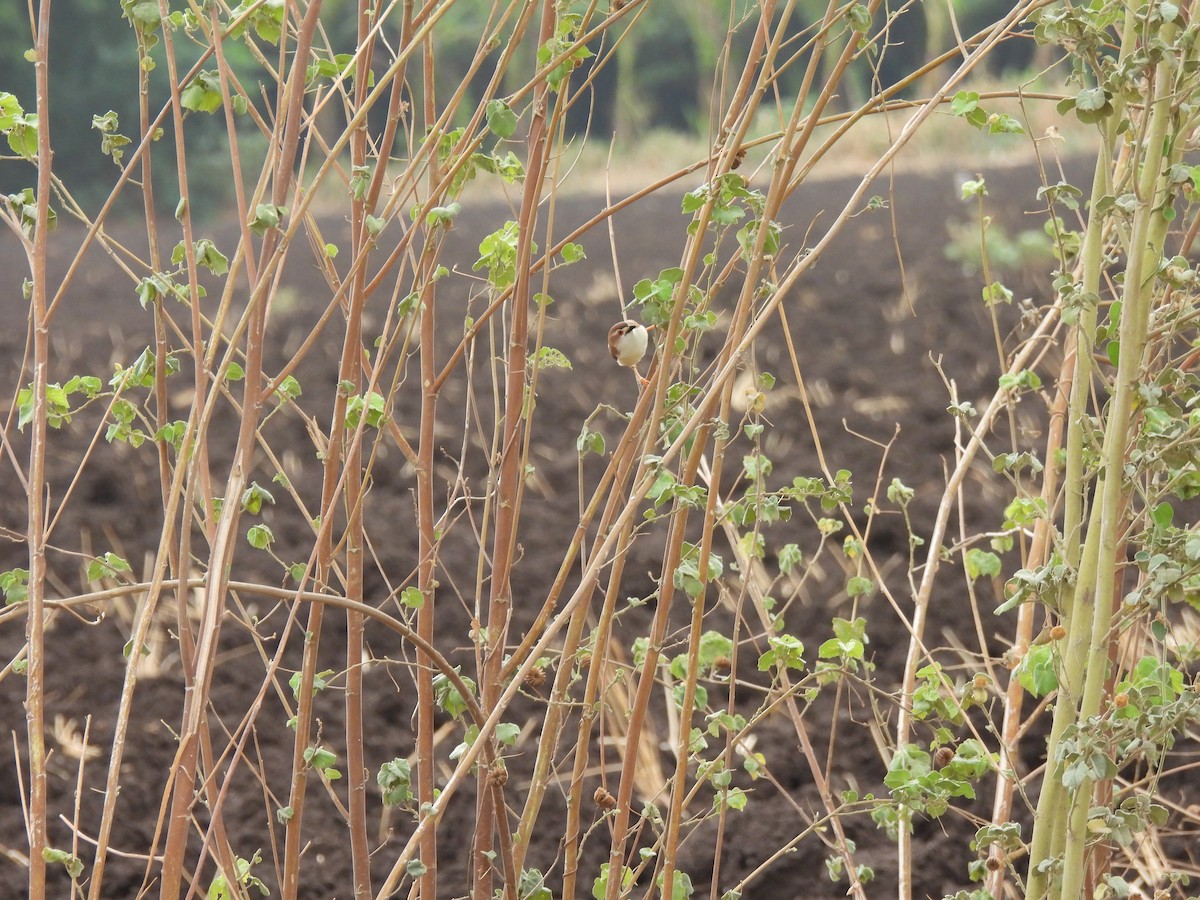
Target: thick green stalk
1050, 826
1149, 237
1047, 829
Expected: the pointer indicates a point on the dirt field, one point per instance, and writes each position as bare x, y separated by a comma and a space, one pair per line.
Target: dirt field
864, 329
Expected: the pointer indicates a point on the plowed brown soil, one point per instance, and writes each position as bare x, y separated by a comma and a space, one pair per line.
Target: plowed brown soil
868, 332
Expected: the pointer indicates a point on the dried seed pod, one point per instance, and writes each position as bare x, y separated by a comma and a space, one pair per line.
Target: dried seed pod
536, 678
498, 773
943, 756
604, 799
738, 158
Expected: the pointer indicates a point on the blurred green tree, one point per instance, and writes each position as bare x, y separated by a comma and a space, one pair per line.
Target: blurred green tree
663, 77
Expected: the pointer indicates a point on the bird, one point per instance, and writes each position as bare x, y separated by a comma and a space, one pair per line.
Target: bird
627, 342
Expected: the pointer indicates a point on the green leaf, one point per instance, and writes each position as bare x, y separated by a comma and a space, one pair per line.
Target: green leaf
681, 886
790, 557
1026, 379
965, 104
1092, 105
999, 123
560, 44
446, 695
73, 864
756, 466
589, 442
1036, 670
203, 93
319, 757
549, 358
572, 253
267, 19
498, 254
15, 585
900, 493
997, 293
415, 868
501, 120
10, 111
322, 760
254, 497
510, 169
372, 406
981, 564
412, 597
532, 886
23, 136
443, 215
288, 389
320, 682
713, 646
858, 586
24, 206
110, 140
89, 385
1022, 512
121, 429
860, 18
107, 565
208, 256
25, 408
843, 646
408, 304
266, 216
395, 778
144, 13
260, 536
1155, 683
600, 885
507, 733
687, 576
786, 652
747, 237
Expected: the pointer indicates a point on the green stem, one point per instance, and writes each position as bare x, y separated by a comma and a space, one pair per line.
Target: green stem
1149, 236
1047, 830
1050, 829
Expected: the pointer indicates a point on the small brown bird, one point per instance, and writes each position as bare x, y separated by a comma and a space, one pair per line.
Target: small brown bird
627, 342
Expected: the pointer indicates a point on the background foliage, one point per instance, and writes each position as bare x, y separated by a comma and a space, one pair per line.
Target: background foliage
662, 79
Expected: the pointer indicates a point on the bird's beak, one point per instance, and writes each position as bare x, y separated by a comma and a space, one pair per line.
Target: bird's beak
649, 327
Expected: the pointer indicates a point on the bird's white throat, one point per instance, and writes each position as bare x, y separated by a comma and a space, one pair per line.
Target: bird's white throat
631, 346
